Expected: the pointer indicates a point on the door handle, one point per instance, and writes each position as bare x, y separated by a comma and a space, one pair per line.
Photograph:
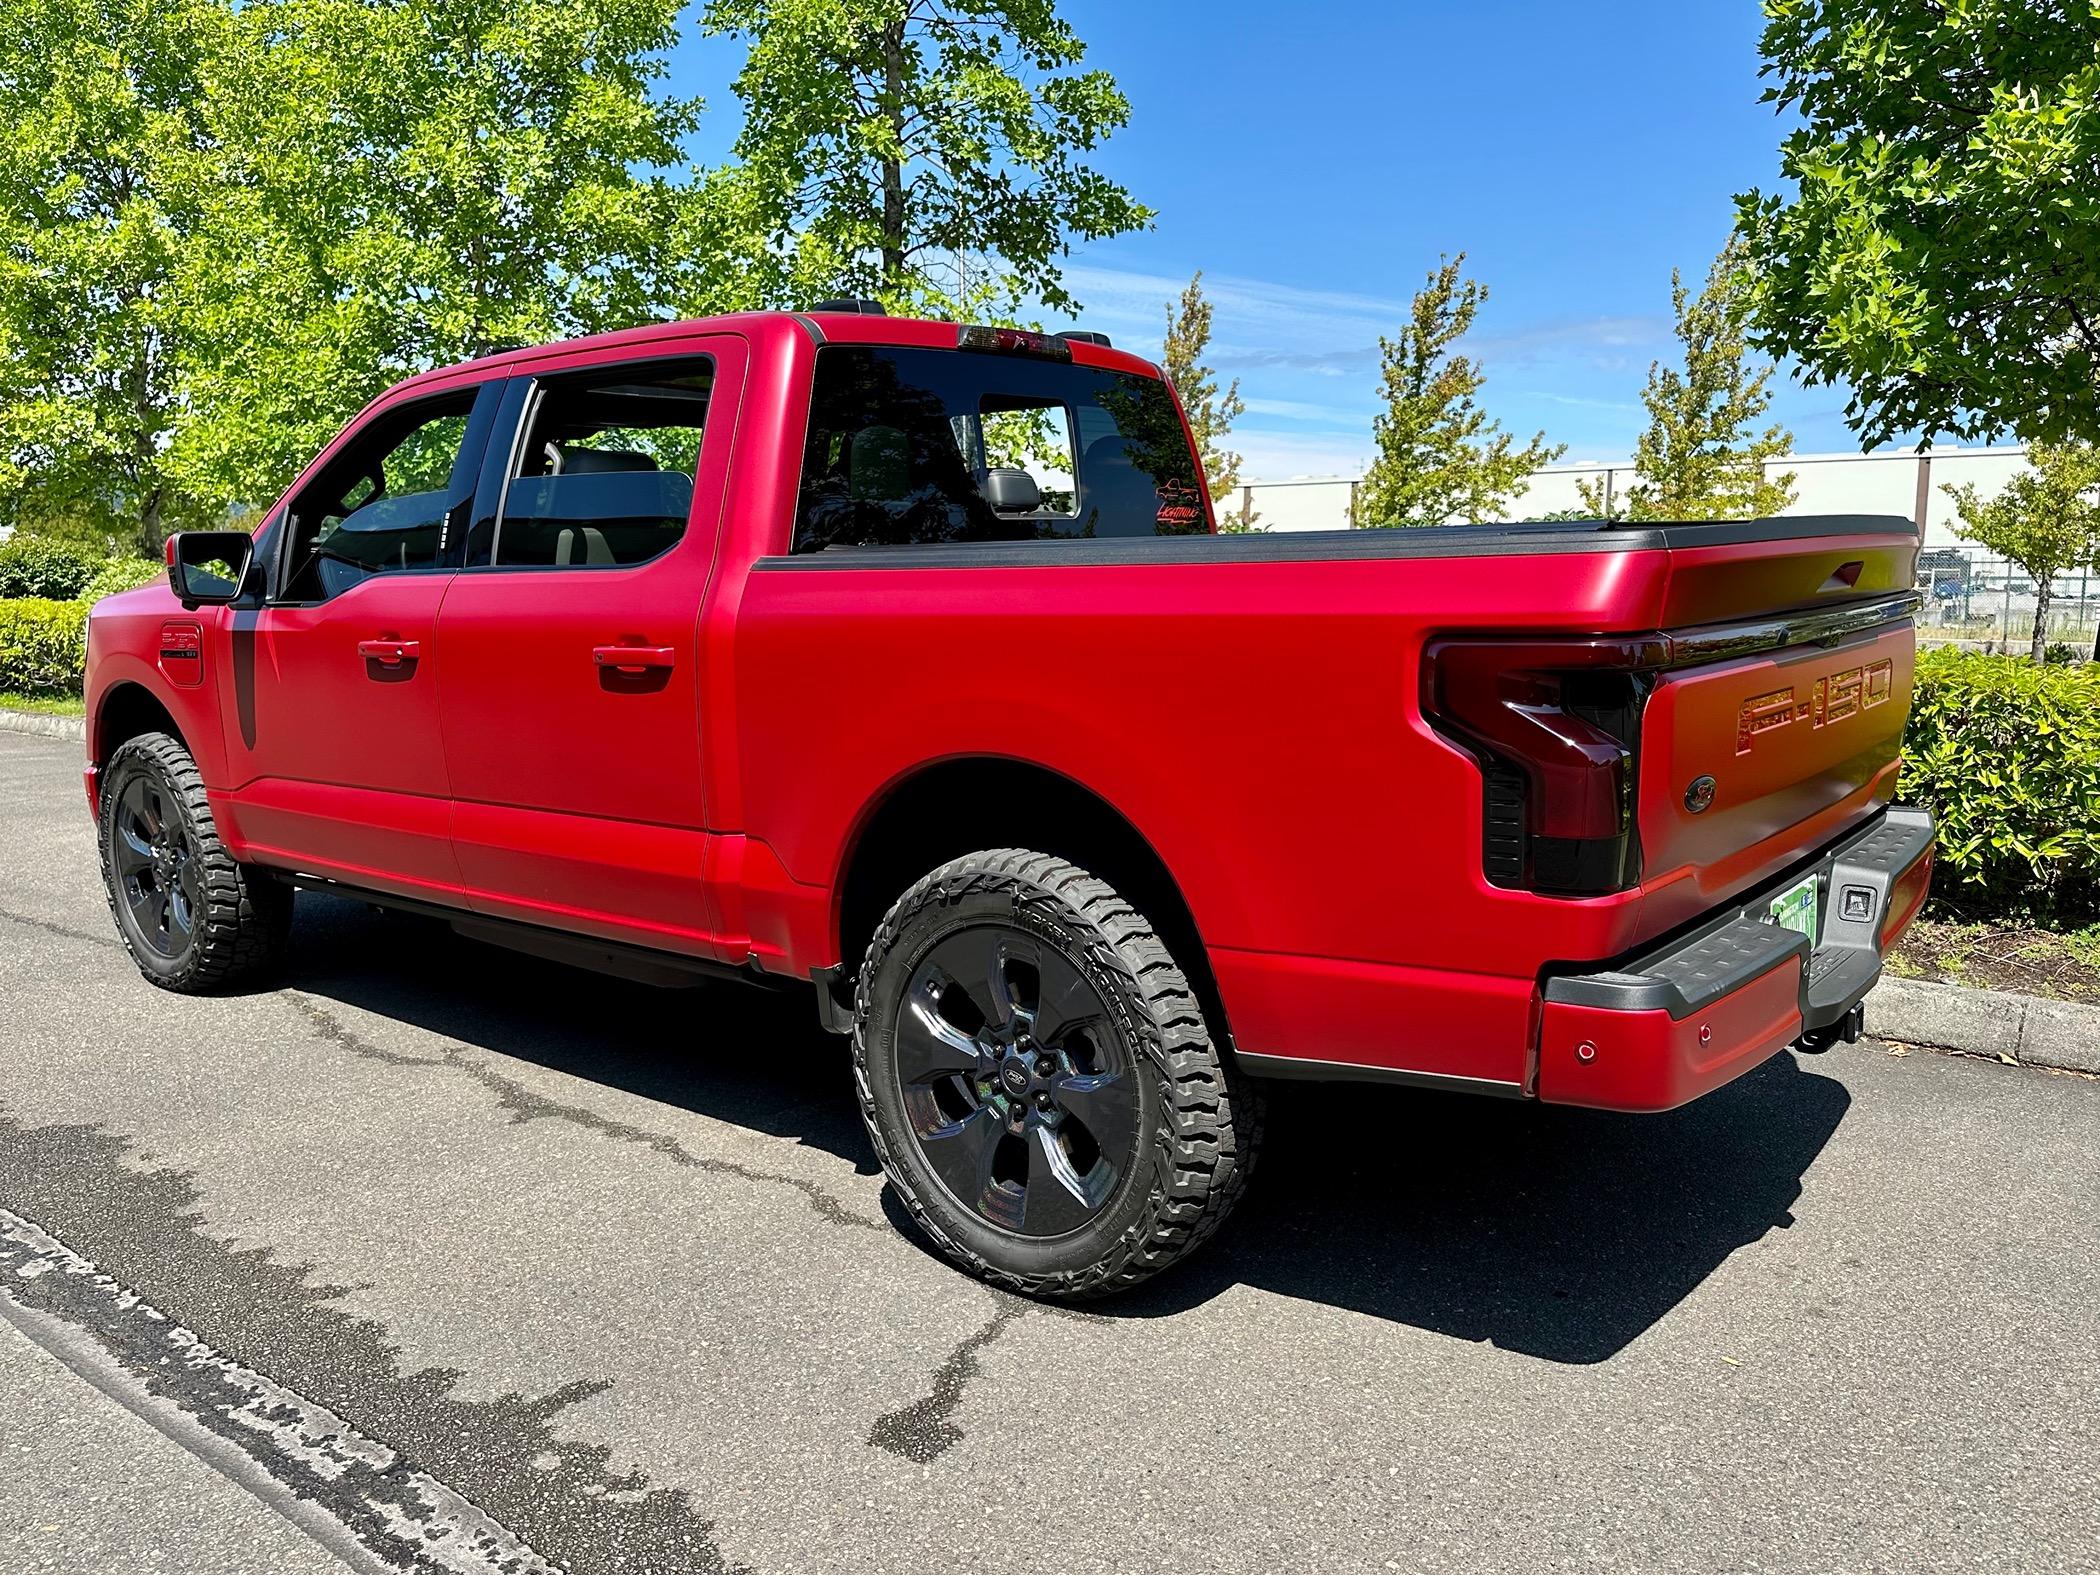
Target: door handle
390, 653
634, 657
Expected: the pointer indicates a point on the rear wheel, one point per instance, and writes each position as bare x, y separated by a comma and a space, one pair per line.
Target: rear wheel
192, 918
1040, 1081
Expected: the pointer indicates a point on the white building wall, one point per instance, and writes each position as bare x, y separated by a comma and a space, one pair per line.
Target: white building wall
1824, 484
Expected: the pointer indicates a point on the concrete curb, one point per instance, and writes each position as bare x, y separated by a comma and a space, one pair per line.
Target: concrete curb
2034, 1032
41, 725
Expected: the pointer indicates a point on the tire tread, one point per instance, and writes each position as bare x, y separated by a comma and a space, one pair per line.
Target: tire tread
245, 928
1211, 1115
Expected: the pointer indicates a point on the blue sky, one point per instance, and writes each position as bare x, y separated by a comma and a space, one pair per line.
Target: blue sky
1315, 160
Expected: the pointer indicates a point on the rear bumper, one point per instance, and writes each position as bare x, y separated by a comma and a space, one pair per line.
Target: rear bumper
1715, 1001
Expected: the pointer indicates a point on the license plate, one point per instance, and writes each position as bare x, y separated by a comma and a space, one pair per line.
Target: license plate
1795, 908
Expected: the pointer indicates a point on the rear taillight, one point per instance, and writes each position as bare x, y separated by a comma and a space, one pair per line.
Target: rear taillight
1555, 725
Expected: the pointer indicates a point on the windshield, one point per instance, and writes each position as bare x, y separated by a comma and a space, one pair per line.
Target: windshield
909, 445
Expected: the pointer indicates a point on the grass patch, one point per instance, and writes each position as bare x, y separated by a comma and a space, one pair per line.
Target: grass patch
2061, 965
43, 705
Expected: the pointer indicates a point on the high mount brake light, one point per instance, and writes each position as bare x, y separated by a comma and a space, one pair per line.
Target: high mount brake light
1556, 726
1013, 341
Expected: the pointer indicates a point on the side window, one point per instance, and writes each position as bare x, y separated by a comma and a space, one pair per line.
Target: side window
602, 473
380, 505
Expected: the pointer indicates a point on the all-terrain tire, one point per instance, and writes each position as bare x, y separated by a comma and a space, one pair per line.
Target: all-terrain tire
242, 919
1199, 1119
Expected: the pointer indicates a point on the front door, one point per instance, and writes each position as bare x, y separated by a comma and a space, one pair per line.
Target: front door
571, 695
333, 732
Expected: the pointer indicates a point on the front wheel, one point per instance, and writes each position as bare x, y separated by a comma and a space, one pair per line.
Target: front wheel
1040, 1082
192, 918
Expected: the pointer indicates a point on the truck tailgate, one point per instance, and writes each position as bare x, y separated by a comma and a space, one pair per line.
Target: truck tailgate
1746, 762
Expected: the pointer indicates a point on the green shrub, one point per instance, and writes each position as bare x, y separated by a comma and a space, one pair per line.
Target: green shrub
37, 566
123, 574
2007, 755
43, 645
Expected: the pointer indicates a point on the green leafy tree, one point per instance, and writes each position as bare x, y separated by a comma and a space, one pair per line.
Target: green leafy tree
99, 124
1211, 410
1440, 457
411, 184
2046, 520
224, 227
1937, 243
927, 153
1701, 458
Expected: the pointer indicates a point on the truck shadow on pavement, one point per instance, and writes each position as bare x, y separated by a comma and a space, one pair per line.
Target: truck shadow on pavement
1557, 1233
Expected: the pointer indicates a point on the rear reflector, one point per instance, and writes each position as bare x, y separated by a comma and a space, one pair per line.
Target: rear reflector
1906, 897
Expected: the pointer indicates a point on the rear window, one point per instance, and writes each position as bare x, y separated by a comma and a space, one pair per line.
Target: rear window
912, 446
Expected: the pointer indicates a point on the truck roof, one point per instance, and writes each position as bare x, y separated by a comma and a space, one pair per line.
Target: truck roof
823, 327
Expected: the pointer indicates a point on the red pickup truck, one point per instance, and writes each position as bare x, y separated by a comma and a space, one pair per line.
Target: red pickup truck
901, 659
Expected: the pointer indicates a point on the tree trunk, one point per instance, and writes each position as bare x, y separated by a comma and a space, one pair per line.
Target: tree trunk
2041, 616
150, 539
893, 217
142, 457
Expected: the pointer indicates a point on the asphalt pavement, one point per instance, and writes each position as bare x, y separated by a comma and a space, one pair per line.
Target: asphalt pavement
437, 1257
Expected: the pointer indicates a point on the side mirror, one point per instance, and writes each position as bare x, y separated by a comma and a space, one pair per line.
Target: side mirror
206, 568
1011, 491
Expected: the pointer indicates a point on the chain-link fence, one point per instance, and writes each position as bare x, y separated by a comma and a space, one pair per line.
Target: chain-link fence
1976, 596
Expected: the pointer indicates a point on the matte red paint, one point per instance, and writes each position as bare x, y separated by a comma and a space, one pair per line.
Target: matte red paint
1649, 1061
471, 737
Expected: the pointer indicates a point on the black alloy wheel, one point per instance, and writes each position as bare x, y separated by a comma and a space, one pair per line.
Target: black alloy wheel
191, 916
1020, 1097
156, 869
1040, 1081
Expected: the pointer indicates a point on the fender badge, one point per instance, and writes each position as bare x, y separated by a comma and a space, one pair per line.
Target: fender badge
1699, 797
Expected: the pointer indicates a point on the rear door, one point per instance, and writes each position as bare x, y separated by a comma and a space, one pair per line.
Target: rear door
571, 697
333, 731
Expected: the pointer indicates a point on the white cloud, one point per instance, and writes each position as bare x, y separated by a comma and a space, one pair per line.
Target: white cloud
1581, 403
1262, 323
1301, 410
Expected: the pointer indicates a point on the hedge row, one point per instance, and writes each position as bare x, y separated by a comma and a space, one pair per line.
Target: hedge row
2007, 755
46, 588
43, 645
58, 570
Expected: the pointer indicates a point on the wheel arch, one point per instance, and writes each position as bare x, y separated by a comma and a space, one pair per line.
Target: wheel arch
947, 808
126, 710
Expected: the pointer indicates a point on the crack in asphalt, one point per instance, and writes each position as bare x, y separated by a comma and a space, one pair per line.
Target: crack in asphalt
522, 1104
922, 1431
266, 1361
62, 931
